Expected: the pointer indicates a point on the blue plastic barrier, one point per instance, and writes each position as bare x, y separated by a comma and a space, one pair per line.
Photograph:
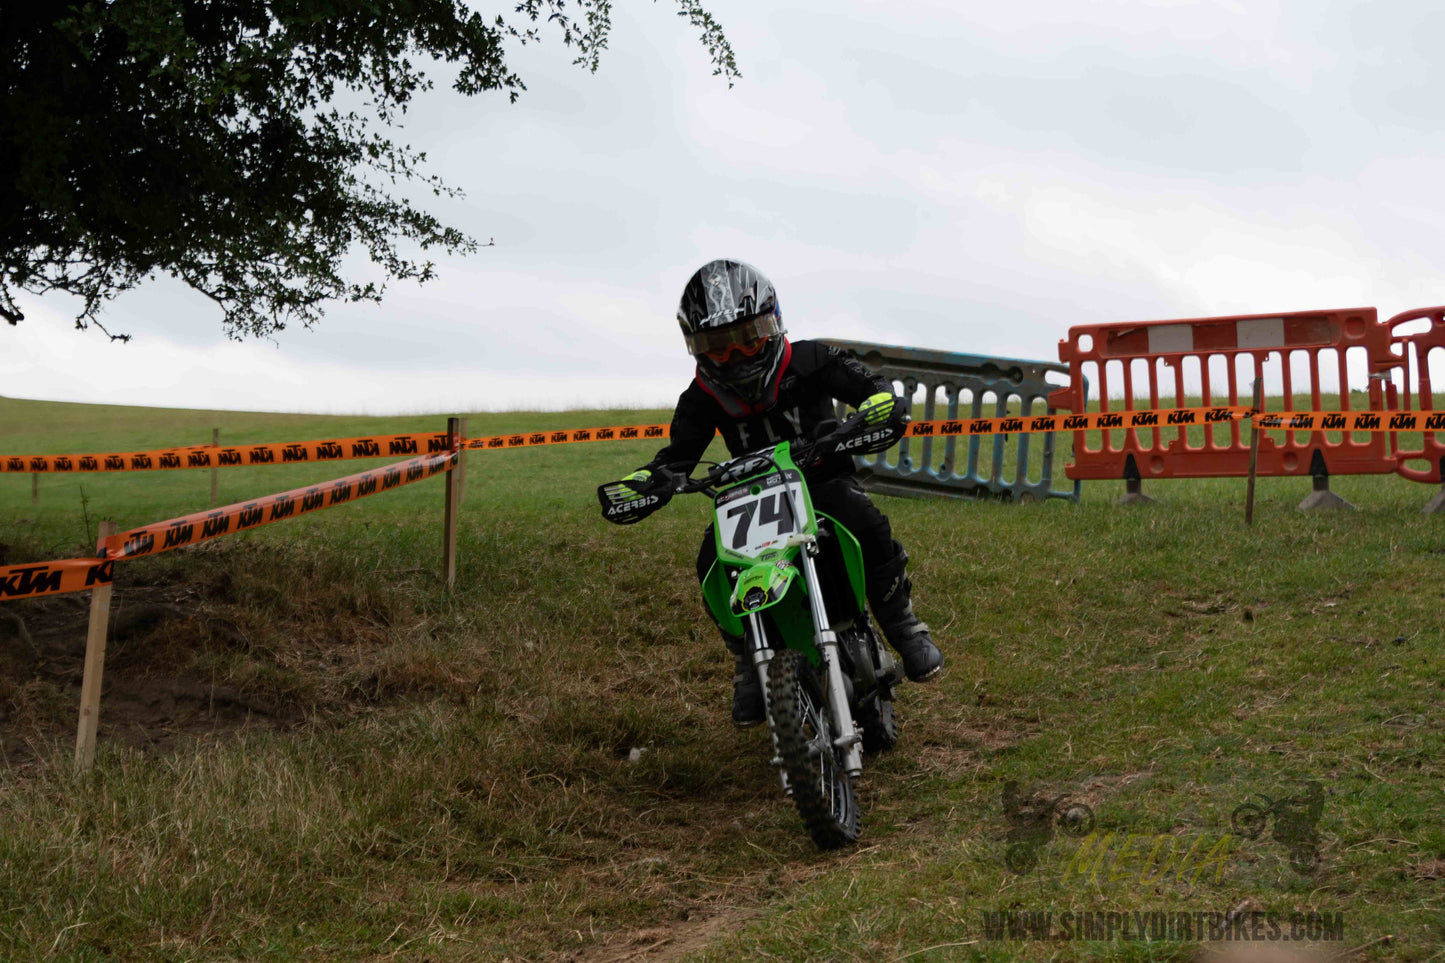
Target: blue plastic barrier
968, 383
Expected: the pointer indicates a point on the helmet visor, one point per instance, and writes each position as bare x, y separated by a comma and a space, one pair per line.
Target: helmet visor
746, 335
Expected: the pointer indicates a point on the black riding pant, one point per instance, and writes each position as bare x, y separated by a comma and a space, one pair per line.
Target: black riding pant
844, 499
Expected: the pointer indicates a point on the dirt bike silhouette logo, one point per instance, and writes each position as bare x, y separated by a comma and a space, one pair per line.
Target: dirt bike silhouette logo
1032, 822
1296, 824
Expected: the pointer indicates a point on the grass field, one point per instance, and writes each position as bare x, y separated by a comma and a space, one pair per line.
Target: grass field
310, 751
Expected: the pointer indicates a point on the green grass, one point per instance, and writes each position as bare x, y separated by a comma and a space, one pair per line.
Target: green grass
339, 760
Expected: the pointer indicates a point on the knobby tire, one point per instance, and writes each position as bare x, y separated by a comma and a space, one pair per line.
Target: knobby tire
822, 788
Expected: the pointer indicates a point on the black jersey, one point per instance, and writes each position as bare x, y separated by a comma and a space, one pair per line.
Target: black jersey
815, 374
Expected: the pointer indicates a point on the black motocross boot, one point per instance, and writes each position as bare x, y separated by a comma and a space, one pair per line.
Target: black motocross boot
890, 593
748, 708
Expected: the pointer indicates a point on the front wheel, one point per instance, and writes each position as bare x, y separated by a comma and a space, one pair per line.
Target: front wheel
822, 789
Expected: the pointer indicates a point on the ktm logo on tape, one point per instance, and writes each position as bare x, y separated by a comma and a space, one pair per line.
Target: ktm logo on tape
560, 437
50, 578
1010, 424
209, 456
31, 581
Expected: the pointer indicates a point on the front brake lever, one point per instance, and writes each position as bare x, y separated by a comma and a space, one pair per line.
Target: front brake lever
666, 481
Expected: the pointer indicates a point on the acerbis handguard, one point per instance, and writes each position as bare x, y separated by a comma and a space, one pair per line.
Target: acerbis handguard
634, 498
870, 441
880, 423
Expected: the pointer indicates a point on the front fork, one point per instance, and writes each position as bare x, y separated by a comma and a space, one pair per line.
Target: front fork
848, 738
762, 655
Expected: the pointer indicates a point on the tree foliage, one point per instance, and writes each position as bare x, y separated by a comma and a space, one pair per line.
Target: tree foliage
212, 140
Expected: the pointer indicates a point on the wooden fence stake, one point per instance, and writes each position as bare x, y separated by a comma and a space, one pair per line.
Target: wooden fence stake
216, 443
94, 667
453, 502
35, 488
1253, 453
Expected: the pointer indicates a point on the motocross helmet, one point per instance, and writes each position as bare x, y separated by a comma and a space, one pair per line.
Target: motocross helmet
732, 326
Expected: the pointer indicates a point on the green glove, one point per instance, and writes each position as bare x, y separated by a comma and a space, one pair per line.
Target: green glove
641, 475
877, 409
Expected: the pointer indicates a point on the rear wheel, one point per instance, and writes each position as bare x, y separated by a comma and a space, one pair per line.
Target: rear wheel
875, 715
880, 732
822, 789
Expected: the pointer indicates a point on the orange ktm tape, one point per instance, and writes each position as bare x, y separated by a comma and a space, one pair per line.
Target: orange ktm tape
1352, 420
203, 526
53, 578
1090, 421
528, 439
377, 446
211, 456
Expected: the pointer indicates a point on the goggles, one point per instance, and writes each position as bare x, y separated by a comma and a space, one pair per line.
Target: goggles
747, 337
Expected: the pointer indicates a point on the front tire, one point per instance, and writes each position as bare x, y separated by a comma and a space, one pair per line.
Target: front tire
822, 788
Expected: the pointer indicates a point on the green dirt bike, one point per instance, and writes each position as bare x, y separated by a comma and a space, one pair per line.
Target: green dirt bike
790, 581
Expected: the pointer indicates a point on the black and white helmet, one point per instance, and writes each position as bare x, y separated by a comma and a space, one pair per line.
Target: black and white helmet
732, 326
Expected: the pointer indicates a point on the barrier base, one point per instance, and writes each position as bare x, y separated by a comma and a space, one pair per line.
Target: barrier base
1436, 505
1133, 493
924, 488
1322, 497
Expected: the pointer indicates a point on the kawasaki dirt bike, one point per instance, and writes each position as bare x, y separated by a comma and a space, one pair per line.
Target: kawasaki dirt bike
790, 581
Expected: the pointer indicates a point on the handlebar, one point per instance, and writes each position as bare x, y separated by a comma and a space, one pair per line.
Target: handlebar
803, 453
627, 502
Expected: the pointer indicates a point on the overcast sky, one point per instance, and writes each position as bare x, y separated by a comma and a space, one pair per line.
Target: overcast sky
958, 175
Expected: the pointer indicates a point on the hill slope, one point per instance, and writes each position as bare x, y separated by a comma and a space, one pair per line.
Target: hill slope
309, 750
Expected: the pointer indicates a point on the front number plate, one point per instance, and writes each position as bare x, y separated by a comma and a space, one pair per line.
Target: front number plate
756, 517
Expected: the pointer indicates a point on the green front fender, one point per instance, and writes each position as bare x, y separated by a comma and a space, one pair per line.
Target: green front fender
762, 585
720, 596
726, 601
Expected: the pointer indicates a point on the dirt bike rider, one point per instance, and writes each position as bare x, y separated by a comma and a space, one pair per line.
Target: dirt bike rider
757, 388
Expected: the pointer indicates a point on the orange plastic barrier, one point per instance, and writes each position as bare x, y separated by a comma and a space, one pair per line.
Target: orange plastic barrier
1132, 358
1413, 362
